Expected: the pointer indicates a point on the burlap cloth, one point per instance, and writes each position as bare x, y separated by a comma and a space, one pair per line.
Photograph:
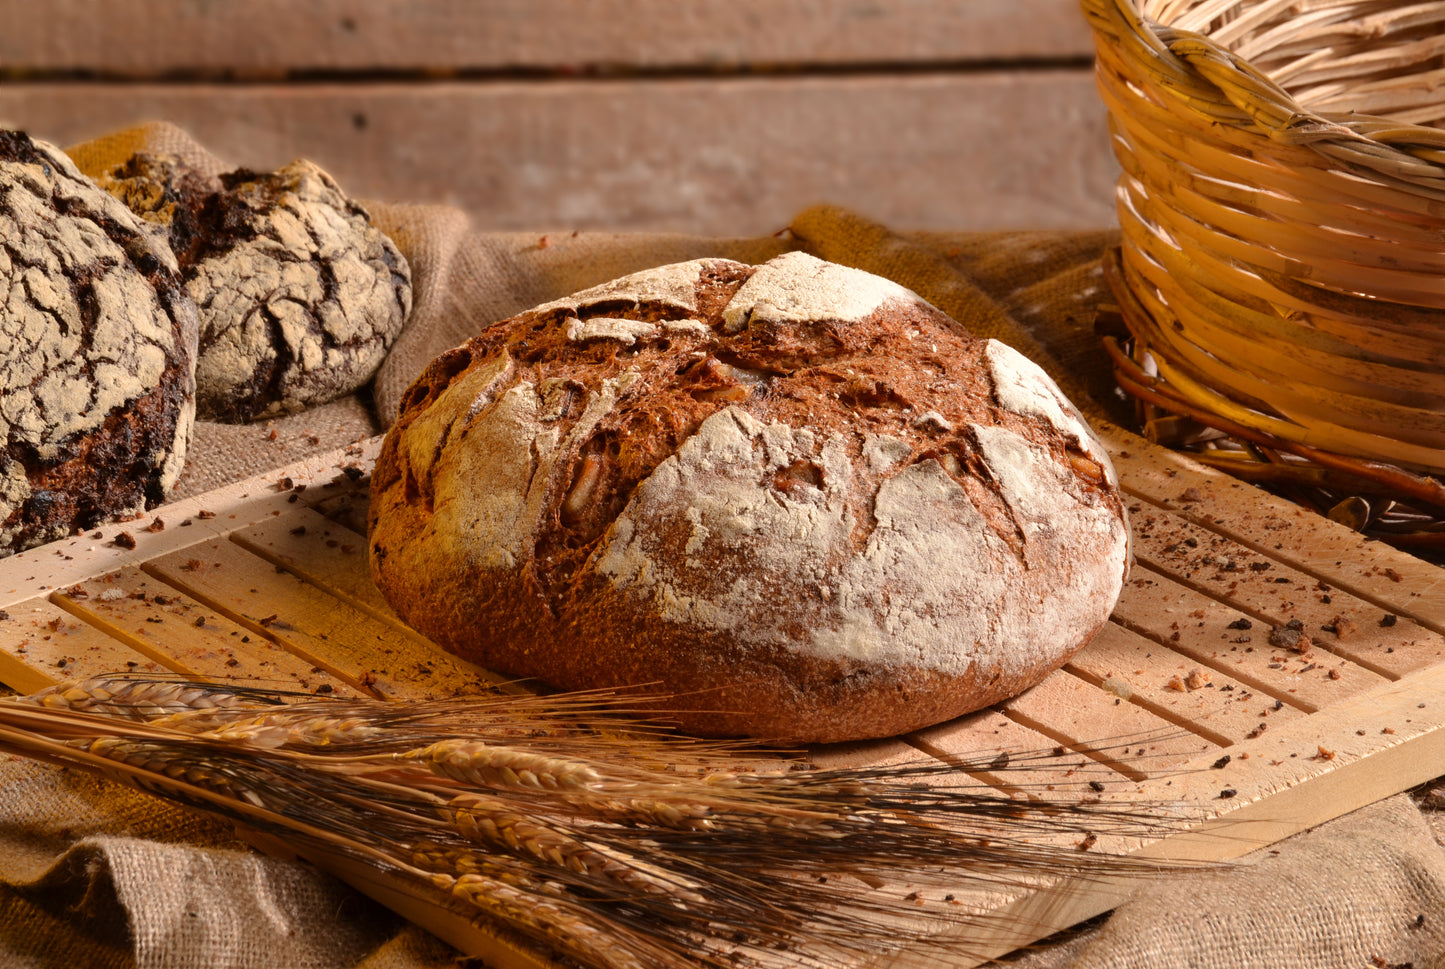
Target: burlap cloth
95, 875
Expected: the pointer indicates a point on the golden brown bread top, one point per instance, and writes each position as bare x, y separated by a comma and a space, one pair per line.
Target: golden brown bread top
796, 461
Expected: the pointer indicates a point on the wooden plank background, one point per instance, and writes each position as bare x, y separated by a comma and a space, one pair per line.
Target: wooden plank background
716, 119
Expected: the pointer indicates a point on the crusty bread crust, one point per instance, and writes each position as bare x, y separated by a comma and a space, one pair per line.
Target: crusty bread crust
299, 295
795, 498
97, 353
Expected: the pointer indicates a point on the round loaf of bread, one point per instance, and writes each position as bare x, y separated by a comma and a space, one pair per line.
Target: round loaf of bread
97, 353
299, 295
794, 499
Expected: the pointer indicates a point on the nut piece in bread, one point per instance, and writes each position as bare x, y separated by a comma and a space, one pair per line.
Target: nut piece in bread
97, 344
299, 295
795, 498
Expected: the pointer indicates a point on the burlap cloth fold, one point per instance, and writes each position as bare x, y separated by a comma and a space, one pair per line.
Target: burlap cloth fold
95, 875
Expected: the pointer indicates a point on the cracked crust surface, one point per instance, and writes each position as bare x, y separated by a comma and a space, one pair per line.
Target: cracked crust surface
795, 497
97, 342
299, 295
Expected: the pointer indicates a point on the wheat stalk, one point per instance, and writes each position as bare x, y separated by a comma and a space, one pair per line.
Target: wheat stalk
593, 836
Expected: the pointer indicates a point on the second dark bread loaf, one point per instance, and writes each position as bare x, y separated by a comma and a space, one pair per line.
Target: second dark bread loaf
298, 294
795, 498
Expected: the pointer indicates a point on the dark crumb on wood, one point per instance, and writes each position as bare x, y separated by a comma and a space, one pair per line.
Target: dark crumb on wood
1227, 793
1088, 842
156, 525
1096, 785
1389, 619
124, 540
1219, 764
205, 514
1240, 624
268, 620
1289, 637
324, 688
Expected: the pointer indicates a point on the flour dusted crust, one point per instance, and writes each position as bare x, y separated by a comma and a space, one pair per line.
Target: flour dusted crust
299, 294
795, 497
97, 344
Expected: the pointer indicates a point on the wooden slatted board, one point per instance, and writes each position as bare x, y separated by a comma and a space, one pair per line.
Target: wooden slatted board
267, 581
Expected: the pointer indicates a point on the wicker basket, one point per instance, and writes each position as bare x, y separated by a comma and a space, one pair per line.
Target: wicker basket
1281, 278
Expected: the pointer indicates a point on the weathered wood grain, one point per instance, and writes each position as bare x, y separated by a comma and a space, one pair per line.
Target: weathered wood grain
733, 156
159, 621
384, 659
42, 644
271, 37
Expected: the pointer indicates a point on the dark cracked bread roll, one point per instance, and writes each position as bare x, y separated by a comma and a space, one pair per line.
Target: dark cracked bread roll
97, 344
299, 295
795, 498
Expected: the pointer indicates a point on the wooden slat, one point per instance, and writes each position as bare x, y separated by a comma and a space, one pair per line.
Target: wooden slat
185, 523
41, 645
732, 157
1275, 593
1194, 625
1091, 720
275, 36
1325, 550
385, 659
1005, 753
1176, 687
325, 553
162, 621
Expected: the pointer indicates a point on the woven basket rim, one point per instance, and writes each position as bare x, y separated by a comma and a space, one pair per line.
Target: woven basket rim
1220, 83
